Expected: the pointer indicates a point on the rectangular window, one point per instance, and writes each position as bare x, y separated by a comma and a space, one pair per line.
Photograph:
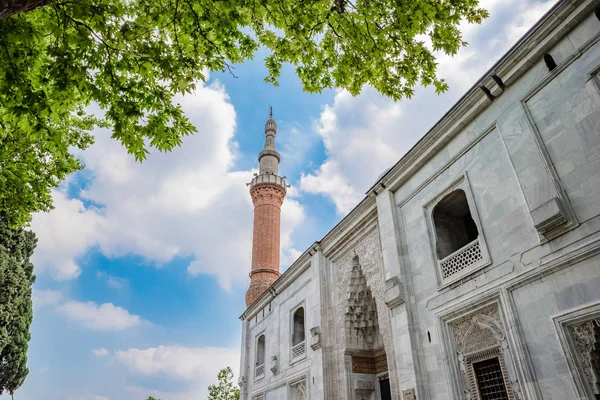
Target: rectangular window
489, 380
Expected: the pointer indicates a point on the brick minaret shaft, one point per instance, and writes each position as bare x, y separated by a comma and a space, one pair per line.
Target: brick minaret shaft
267, 190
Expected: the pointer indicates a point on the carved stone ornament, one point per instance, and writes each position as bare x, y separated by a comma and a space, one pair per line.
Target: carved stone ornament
315, 338
267, 193
549, 217
298, 390
241, 381
394, 292
363, 388
345, 277
479, 331
481, 336
586, 338
274, 365
361, 310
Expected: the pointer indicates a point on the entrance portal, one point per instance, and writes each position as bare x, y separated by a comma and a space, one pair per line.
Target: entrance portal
364, 343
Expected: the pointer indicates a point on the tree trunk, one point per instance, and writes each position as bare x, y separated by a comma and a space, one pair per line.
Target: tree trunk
11, 7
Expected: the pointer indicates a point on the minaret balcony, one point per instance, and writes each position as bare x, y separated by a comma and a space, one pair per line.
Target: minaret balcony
269, 152
268, 178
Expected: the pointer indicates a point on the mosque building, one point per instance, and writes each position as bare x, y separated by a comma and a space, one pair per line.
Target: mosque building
471, 269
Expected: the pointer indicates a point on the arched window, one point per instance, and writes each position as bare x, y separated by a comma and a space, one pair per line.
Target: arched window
298, 343
259, 369
454, 225
298, 333
260, 350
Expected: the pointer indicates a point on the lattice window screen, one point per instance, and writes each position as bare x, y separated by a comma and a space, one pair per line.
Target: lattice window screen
490, 381
468, 255
299, 350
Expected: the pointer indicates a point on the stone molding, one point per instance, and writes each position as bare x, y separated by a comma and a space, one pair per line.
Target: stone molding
267, 193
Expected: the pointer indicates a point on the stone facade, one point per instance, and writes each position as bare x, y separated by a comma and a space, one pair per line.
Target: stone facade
473, 265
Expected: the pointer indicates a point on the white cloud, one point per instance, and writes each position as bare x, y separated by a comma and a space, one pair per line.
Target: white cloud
42, 298
112, 281
102, 317
63, 235
367, 134
189, 202
101, 352
528, 15
197, 367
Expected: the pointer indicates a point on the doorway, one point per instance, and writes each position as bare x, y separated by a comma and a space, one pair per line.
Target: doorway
384, 389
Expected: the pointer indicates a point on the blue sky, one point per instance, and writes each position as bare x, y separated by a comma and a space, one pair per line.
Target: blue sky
142, 268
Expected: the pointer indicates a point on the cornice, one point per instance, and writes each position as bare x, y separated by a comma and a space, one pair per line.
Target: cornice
551, 28
364, 212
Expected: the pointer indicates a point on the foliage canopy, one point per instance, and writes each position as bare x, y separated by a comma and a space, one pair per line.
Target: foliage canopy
131, 57
225, 389
16, 279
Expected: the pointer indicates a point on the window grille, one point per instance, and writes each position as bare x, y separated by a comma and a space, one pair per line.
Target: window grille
461, 259
490, 380
259, 371
298, 350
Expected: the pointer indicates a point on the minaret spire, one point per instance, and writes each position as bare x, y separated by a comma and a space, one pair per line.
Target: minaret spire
268, 190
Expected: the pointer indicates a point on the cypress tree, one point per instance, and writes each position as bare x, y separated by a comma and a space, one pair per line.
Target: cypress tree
16, 312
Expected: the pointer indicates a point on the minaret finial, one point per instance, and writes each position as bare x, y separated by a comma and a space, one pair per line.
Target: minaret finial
270, 112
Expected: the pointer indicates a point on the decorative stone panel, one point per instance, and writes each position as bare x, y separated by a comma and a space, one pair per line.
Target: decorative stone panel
363, 388
369, 365
586, 338
363, 365
480, 336
298, 390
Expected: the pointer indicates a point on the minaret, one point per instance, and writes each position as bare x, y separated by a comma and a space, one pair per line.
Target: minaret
267, 190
